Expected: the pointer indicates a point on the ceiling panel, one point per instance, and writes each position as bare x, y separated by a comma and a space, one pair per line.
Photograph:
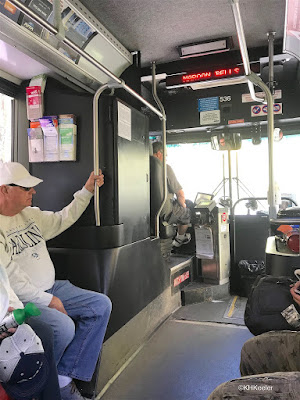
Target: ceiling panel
157, 27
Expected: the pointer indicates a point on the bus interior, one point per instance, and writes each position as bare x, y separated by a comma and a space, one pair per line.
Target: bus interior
218, 83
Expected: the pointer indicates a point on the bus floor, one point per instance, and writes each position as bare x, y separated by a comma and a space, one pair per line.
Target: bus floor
194, 351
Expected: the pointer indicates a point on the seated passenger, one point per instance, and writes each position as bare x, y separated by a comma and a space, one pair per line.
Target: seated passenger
174, 210
78, 317
43, 385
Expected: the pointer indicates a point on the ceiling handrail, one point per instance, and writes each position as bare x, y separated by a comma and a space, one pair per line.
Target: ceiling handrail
243, 47
31, 14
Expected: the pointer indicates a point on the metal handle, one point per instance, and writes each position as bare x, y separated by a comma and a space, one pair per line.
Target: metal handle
96, 150
164, 141
243, 46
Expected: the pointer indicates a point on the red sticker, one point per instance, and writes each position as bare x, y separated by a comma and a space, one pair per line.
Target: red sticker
181, 278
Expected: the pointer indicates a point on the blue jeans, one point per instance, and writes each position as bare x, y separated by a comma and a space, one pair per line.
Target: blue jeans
78, 336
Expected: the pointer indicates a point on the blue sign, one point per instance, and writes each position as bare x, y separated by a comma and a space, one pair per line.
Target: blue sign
256, 110
277, 108
208, 104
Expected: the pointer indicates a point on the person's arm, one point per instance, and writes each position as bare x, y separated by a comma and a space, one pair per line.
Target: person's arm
296, 296
175, 187
20, 282
52, 224
181, 198
10, 331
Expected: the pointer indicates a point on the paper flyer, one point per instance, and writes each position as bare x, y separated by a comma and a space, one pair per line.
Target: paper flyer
51, 144
35, 145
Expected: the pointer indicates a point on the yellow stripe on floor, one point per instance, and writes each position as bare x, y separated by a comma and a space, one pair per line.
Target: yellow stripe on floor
231, 310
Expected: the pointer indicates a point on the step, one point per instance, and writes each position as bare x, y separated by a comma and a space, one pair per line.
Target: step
181, 271
198, 292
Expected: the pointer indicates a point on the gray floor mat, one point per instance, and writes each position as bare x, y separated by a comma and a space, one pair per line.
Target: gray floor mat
228, 311
182, 361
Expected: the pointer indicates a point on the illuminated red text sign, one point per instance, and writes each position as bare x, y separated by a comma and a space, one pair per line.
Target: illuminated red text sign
210, 73
217, 73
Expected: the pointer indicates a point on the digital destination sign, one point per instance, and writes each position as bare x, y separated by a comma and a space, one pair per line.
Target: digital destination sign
209, 74
216, 73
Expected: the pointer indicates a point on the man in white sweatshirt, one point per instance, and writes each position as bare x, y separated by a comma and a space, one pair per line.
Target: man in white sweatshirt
78, 317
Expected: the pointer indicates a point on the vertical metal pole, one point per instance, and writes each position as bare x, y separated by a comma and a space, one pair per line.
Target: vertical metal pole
271, 85
224, 178
237, 175
230, 180
96, 150
164, 141
271, 36
270, 101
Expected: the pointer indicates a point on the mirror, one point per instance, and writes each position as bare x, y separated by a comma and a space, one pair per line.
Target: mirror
278, 134
226, 141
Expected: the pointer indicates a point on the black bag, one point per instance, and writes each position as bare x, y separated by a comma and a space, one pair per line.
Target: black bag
269, 297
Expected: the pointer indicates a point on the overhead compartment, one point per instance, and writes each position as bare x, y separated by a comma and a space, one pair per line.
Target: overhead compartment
18, 32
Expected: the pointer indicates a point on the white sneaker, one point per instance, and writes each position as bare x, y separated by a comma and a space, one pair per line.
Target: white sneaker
177, 242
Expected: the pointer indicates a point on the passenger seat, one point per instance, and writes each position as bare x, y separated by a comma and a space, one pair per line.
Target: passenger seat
278, 385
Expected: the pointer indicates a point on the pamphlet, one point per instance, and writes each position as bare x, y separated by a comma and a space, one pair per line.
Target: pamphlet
35, 145
34, 102
51, 145
67, 142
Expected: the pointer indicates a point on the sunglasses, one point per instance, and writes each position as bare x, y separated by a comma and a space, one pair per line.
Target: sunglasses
21, 187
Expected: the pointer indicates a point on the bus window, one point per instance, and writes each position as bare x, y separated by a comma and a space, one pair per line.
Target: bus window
6, 106
197, 167
200, 169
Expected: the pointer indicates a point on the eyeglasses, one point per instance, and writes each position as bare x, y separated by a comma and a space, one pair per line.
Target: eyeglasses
21, 187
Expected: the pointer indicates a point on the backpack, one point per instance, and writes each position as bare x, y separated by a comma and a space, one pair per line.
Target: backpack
270, 306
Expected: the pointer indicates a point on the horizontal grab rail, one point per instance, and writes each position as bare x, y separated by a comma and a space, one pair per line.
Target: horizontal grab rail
30, 13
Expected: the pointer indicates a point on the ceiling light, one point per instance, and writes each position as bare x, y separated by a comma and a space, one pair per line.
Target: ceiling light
207, 47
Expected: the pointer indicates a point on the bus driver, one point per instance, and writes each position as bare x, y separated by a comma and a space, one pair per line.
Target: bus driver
78, 317
180, 214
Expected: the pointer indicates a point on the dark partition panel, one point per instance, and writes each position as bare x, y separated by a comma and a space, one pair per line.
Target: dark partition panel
133, 176
125, 163
251, 233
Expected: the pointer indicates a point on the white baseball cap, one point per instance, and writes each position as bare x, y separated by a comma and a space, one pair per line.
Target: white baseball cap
16, 173
24, 368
